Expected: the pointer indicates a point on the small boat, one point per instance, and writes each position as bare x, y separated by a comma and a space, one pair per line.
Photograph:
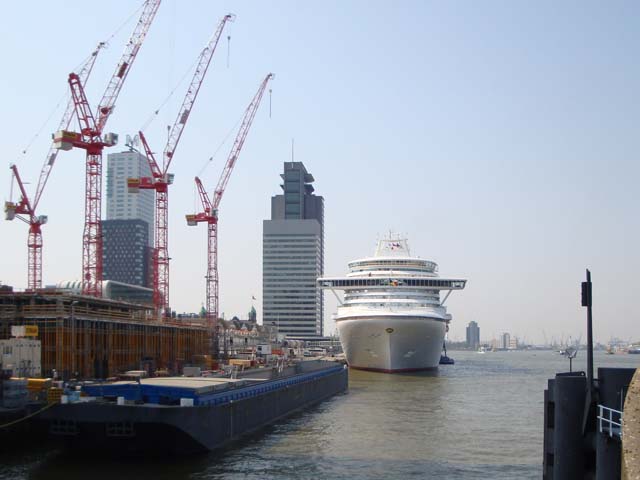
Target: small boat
444, 359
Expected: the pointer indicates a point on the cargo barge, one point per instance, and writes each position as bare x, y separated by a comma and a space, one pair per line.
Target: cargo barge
182, 415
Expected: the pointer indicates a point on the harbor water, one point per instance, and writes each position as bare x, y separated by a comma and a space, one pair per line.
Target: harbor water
479, 418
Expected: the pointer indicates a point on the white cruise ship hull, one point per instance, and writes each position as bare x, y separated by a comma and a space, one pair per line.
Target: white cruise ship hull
392, 342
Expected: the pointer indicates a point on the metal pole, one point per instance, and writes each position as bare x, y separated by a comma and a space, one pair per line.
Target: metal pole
589, 333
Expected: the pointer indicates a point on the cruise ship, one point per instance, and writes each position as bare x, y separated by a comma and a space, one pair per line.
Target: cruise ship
392, 318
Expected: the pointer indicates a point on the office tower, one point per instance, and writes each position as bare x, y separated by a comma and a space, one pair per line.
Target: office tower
129, 226
293, 256
473, 335
505, 341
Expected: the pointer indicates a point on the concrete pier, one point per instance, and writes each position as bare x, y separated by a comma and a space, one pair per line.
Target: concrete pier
631, 432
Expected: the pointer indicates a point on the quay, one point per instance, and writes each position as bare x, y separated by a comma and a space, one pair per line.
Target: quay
631, 432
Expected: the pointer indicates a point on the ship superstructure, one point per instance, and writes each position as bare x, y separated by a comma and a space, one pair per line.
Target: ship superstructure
392, 318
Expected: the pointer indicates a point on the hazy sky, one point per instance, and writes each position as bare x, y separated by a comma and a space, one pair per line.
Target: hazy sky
501, 137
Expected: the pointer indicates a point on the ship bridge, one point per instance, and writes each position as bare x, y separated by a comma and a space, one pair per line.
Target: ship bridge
358, 283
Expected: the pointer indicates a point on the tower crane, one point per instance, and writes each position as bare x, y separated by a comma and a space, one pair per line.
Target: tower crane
161, 179
92, 140
210, 209
24, 209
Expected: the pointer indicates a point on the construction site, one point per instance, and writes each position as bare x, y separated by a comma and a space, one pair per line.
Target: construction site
92, 332
82, 337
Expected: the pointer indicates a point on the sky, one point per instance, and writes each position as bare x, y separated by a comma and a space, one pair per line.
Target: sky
500, 137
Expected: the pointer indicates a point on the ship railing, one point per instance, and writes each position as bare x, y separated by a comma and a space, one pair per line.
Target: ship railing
610, 421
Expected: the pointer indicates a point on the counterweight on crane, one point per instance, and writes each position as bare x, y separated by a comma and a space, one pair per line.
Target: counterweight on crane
92, 140
210, 209
161, 179
25, 210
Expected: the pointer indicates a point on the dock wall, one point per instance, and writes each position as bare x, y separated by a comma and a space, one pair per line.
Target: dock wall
631, 432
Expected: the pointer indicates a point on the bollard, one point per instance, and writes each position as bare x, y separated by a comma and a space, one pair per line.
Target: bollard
569, 397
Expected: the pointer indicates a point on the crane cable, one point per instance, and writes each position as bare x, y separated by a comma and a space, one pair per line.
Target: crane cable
155, 113
224, 140
67, 94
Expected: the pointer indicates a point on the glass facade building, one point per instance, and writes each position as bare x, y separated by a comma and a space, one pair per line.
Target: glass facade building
129, 227
126, 252
293, 256
122, 205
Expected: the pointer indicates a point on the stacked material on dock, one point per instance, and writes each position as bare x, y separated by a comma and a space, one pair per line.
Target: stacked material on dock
38, 388
164, 390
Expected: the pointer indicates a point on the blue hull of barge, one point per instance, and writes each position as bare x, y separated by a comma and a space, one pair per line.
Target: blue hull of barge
216, 420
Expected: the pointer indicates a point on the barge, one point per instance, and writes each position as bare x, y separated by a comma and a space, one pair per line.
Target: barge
187, 415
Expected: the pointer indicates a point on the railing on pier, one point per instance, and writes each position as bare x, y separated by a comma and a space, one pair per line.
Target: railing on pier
609, 421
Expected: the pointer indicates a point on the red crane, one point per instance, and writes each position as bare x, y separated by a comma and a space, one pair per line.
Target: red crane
28, 209
92, 140
160, 179
210, 212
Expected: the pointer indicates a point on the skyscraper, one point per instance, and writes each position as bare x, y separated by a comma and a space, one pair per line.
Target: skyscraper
473, 335
293, 256
129, 226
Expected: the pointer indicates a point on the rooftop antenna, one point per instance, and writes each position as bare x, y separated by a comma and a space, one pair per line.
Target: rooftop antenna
292, 149
228, 49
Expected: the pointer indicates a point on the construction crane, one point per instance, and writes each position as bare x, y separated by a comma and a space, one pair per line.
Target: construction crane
161, 179
92, 140
24, 209
210, 209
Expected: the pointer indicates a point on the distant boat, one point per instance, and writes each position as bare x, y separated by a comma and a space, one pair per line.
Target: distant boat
634, 349
482, 350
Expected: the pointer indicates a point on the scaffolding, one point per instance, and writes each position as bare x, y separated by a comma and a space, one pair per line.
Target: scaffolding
85, 337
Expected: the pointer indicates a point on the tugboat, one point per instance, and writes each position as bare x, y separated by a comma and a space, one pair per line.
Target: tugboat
444, 359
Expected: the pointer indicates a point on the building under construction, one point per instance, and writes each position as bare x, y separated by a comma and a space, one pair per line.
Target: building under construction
89, 337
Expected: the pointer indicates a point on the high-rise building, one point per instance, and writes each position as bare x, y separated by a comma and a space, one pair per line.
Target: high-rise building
505, 341
126, 252
293, 256
122, 205
129, 225
473, 335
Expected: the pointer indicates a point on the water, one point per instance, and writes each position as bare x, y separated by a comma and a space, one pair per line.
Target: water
480, 418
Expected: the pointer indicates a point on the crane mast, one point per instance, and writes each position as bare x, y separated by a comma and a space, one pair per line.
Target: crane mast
24, 207
161, 179
92, 140
210, 209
